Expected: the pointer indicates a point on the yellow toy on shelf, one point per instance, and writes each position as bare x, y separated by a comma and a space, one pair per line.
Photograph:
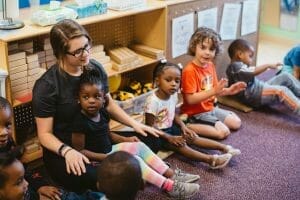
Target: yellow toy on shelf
122, 95
147, 87
135, 87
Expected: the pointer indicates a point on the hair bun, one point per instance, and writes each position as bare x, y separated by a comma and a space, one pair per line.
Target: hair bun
163, 61
180, 65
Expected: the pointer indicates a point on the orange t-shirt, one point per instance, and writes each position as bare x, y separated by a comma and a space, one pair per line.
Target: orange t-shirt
196, 79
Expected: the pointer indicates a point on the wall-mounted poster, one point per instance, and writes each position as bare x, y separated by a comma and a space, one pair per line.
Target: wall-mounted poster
182, 29
229, 22
249, 17
208, 18
289, 14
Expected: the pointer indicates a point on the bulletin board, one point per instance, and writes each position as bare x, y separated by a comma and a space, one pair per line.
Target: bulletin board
181, 9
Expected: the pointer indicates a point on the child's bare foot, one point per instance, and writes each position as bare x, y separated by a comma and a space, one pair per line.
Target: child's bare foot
220, 161
233, 151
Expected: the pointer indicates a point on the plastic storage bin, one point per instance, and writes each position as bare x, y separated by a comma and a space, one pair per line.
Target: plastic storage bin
134, 105
45, 17
125, 4
96, 8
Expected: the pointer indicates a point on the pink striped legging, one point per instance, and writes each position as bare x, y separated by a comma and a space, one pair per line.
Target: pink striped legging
152, 166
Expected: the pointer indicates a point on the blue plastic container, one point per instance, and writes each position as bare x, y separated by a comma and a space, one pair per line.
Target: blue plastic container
25, 3
89, 10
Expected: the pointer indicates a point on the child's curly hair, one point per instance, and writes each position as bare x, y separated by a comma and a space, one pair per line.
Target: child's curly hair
200, 35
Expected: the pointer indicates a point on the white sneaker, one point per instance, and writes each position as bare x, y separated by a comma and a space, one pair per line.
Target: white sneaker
184, 177
224, 157
233, 151
182, 190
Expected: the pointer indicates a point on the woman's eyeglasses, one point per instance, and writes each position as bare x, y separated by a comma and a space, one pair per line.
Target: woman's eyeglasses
79, 52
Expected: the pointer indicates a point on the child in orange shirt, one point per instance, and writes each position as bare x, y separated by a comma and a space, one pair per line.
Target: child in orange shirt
200, 85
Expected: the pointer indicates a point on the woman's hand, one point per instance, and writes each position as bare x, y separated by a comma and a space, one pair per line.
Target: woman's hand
144, 129
49, 192
75, 161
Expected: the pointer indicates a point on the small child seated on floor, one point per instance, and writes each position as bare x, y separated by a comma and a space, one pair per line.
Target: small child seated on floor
6, 141
7, 144
200, 86
92, 137
282, 89
13, 185
119, 176
160, 112
291, 62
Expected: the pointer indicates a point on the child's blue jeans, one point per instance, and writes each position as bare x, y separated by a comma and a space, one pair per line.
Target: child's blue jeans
282, 89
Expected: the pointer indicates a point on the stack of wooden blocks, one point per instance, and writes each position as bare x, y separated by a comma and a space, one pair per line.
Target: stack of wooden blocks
148, 51
97, 53
32, 145
124, 58
50, 59
18, 73
34, 70
24, 68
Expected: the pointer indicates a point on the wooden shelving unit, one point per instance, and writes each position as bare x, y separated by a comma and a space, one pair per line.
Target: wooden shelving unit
28, 157
147, 61
114, 125
114, 28
150, 26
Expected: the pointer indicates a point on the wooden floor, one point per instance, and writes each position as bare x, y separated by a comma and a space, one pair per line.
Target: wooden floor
272, 51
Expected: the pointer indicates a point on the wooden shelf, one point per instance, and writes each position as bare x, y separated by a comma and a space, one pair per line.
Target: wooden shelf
114, 125
147, 61
31, 30
17, 103
110, 72
150, 25
26, 99
28, 157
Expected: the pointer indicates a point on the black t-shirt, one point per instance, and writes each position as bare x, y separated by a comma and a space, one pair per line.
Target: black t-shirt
238, 71
55, 95
96, 133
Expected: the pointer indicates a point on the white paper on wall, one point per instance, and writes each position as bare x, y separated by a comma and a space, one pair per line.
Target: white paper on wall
208, 18
182, 29
229, 22
249, 17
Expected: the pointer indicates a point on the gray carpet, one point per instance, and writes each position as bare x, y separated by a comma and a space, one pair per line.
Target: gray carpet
268, 167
